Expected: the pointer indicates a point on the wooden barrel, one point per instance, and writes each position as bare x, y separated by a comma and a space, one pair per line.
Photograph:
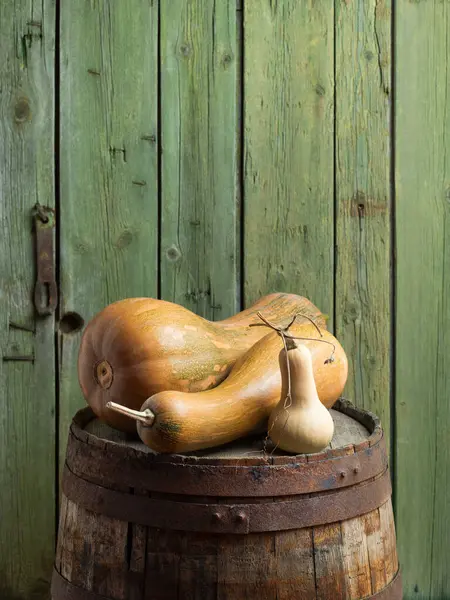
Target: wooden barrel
240, 522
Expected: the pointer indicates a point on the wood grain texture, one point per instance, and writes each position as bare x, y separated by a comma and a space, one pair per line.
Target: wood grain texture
329, 562
423, 288
162, 564
389, 540
288, 153
106, 574
198, 567
27, 389
363, 200
137, 537
247, 567
356, 559
294, 555
100, 554
199, 157
376, 551
109, 188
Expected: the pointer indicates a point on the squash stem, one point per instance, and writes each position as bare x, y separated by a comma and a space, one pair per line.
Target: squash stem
146, 416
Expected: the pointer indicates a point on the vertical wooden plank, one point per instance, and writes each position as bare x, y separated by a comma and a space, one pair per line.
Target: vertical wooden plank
27, 396
246, 567
423, 286
376, 550
199, 135
240, 84
288, 113
330, 570
162, 568
109, 187
93, 552
137, 540
363, 200
440, 576
108, 540
389, 541
356, 559
294, 553
198, 567
69, 562
62, 525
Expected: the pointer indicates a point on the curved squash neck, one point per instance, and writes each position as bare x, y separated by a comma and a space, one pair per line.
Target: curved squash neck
303, 387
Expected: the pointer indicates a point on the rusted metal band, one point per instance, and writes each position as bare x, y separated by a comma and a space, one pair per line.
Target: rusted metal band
64, 590
295, 513
393, 591
113, 464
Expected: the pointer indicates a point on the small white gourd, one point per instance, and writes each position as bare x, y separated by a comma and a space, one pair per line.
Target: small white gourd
301, 424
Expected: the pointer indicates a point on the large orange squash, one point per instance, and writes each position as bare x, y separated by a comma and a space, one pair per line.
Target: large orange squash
137, 347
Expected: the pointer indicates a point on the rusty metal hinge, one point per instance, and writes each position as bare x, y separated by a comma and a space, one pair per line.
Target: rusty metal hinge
45, 291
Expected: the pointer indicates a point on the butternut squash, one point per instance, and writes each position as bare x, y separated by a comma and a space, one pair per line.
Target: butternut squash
299, 423
174, 421
137, 347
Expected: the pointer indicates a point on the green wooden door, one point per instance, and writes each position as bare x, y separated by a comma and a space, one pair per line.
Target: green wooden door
422, 178
208, 153
27, 344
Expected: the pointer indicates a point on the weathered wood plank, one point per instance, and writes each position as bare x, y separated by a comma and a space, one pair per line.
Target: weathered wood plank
356, 559
376, 550
27, 395
363, 200
246, 566
62, 528
162, 570
67, 537
98, 554
199, 161
198, 577
389, 541
137, 548
109, 145
198, 564
329, 562
423, 288
294, 554
106, 574
288, 112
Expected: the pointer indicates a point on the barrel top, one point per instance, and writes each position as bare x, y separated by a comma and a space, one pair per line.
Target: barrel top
355, 429
242, 469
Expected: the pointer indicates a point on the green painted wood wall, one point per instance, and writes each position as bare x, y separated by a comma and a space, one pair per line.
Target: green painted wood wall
210, 152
